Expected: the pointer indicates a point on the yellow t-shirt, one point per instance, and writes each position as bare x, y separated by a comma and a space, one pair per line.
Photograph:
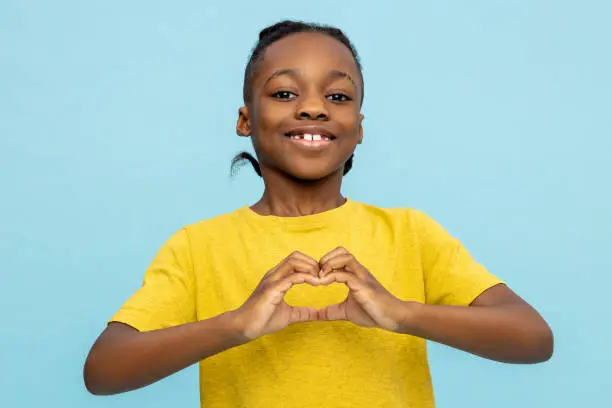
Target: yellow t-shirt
213, 266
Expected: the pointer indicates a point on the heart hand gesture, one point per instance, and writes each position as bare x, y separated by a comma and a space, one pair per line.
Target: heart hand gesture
368, 303
266, 311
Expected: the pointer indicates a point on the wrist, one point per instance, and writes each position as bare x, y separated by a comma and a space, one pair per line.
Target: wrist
410, 312
235, 324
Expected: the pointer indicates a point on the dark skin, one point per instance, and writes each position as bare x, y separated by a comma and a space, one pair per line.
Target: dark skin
304, 80
311, 81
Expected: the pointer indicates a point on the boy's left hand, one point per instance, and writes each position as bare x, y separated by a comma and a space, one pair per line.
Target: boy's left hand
368, 303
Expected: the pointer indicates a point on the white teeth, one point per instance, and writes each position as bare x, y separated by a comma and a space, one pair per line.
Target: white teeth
310, 137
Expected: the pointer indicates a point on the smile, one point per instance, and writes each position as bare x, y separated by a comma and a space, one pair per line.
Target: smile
311, 140
309, 137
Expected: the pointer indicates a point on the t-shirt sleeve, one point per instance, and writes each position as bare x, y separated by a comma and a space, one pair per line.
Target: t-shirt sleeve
451, 275
167, 295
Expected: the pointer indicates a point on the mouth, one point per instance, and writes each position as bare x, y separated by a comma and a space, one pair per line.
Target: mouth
311, 137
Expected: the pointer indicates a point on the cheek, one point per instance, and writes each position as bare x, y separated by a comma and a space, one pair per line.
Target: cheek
350, 120
267, 122
270, 115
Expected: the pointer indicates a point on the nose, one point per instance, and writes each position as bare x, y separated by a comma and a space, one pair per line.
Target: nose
312, 109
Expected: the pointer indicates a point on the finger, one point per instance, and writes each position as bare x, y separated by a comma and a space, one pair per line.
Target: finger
303, 256
303, 314
333, 312
286, 283
352, 281
333, 253
293, 265
346, 262
293, 255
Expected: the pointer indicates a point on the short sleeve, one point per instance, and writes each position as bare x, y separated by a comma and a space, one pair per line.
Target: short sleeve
167, 295
451, 275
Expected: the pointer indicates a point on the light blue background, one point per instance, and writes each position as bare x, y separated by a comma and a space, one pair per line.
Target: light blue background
117, 128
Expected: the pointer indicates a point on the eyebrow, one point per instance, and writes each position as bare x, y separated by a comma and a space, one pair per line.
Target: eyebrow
341, 74
287, 71
295, 73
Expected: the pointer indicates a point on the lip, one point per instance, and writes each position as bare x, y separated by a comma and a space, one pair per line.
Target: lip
311, 144
313, 130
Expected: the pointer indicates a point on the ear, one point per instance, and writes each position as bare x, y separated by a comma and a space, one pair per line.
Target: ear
360, 129
243, 126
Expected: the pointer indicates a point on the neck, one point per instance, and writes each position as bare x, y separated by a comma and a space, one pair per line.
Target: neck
286, 197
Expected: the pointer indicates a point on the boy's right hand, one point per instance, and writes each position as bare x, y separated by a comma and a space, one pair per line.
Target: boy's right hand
266, 311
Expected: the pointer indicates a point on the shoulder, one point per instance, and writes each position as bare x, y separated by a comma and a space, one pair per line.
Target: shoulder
213, 226
406, 221
406, 216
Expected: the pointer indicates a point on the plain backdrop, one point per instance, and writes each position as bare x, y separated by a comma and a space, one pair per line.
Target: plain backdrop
117, 127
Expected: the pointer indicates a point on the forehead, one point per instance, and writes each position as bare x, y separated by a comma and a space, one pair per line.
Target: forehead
308, 51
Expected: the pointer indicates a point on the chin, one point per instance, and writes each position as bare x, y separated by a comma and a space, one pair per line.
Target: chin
311, 174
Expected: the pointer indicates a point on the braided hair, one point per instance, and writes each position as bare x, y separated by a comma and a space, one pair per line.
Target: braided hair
267, 37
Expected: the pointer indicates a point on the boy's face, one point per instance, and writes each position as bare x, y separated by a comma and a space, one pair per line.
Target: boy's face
306, 84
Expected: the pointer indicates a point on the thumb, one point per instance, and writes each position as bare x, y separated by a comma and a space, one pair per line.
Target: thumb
302, 314
334, 312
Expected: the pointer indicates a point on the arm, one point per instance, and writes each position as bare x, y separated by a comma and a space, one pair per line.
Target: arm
124, 359
498, 325
156, 332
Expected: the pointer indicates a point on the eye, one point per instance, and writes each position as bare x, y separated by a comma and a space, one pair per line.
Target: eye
284, 95
339, 97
